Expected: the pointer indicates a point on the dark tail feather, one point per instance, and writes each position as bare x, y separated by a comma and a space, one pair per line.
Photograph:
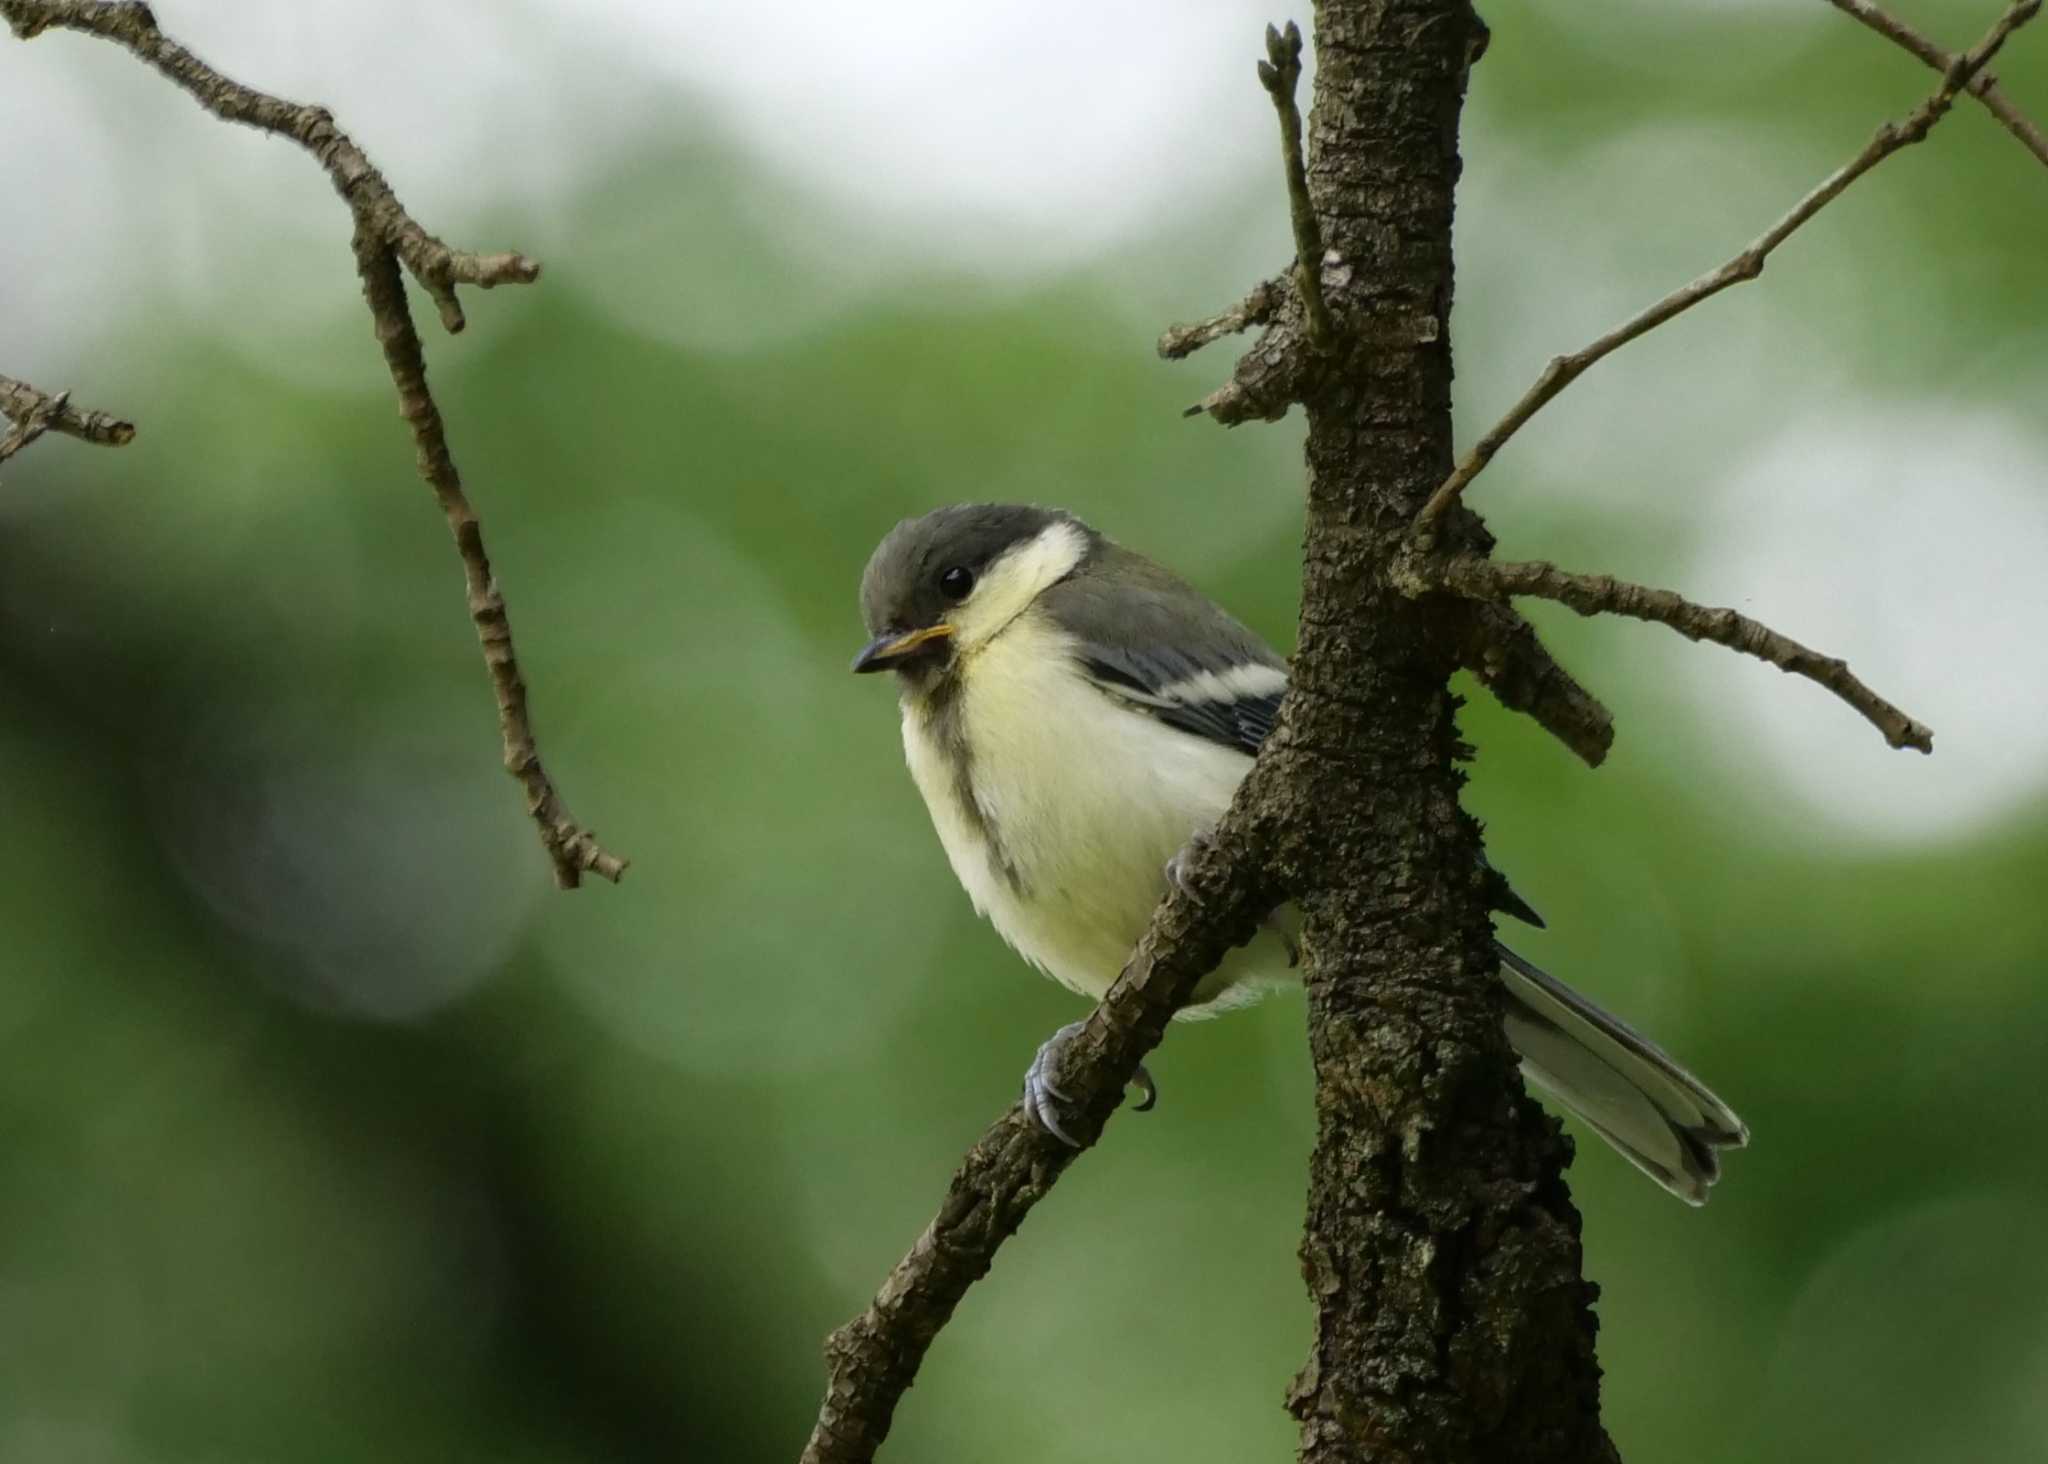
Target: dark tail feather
1627, 1089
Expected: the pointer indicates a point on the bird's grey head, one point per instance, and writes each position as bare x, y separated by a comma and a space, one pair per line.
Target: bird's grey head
940, 587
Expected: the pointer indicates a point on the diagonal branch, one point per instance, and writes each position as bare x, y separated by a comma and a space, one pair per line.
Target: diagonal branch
438, 268
1983, 86
1279, 74
1502, 649
34, 413
1564, 370
873, 1359
1599, 594
572, 849
385, 236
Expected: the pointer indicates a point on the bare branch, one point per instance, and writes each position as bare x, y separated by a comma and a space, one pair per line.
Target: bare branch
1564, 370
572, 849
1983, 86
385, 236
1503, 651
1257, 308
873, 1359
438, 268
34, 412
1279, 74
1598, 594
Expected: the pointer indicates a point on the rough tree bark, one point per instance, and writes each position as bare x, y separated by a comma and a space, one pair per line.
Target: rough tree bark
1441, 1249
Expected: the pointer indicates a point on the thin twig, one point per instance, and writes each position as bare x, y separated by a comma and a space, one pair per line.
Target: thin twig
572, 849
873, 1359
35, 412
438, 268
1563, 370
385, 236
1278, 74
1599, 594
1983, 86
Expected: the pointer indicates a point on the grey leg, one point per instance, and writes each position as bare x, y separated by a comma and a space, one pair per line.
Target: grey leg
1176, 871
1043, 1098
1176, 867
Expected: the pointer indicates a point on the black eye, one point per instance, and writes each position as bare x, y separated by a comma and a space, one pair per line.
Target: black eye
957, 583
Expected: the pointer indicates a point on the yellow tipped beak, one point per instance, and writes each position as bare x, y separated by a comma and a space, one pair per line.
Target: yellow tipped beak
885, 651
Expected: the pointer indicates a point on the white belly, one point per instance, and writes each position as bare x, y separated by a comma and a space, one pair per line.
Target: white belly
1086, 801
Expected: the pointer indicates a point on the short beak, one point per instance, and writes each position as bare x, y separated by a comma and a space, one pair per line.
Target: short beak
885, 651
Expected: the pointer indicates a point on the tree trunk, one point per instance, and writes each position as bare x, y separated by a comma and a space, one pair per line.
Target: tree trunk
1441, 1250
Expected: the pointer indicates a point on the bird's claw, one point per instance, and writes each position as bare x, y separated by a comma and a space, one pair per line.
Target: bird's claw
1146, 1086
1177, 866
1043, 1097
1041, 1093
1176, 875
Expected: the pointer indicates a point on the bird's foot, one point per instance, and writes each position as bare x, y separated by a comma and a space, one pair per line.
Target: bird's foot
1177, 867
1176, 875
1043, 1098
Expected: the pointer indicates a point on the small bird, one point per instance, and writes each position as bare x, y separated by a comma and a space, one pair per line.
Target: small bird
1075, 715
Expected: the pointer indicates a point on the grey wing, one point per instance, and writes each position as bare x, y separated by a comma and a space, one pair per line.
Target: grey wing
1154, 642
1162, 647
1224, 706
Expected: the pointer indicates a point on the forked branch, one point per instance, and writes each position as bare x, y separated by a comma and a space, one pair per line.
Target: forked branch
438, 268
1983, 86
385, 236
1562, 371
1599, 594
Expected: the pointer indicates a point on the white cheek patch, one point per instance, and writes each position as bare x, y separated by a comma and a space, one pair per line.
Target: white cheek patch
1013, 581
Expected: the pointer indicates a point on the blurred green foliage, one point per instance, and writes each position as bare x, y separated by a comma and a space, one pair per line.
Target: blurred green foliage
332, 1133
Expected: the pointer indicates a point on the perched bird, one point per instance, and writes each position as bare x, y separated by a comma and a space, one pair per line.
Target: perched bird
1074, 715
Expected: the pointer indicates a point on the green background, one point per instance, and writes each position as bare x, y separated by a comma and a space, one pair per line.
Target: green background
332, 1132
